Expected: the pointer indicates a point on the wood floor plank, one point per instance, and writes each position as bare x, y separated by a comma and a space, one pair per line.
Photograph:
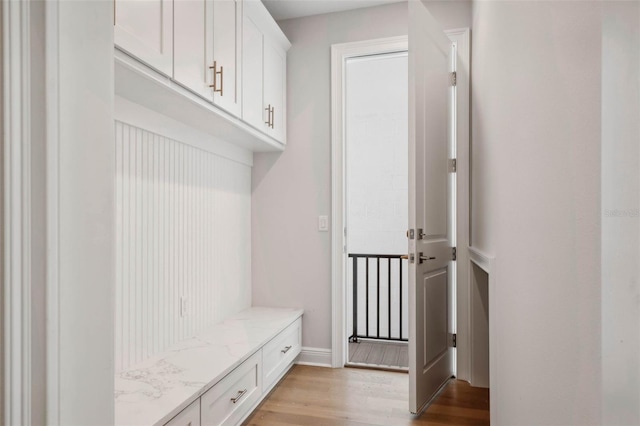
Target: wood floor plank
317, 396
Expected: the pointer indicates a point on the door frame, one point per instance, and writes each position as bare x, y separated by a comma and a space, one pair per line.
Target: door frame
339, 54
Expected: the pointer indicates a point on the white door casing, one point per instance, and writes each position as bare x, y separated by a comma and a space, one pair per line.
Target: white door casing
430, 194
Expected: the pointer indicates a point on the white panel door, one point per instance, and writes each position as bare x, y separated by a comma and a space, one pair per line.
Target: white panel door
227, 45
253, 111
430, 142
275, 60
144, 28
193, 45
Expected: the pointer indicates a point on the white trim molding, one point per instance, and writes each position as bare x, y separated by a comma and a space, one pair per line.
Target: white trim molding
339, 54
52, 220
318, 357
483, 260
16, 54
487, 263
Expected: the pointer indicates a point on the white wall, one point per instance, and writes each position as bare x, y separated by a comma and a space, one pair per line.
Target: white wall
535, 204
183, 229
291, 263
621, 213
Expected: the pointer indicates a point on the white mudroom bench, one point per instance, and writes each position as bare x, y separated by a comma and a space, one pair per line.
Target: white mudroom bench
217, 377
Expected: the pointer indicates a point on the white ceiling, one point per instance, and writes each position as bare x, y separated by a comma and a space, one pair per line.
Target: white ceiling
286, 9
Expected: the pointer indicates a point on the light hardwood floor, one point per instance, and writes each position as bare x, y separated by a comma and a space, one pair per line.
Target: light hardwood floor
317, 396
383, 354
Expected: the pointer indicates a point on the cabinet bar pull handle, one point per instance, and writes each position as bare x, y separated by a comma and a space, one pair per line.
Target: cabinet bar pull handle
238, 396
268, 109
273, 115
221, 80
286, 349
214, 86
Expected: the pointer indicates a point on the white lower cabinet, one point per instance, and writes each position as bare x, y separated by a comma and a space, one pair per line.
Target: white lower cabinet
280, 352
230, 400
190, 416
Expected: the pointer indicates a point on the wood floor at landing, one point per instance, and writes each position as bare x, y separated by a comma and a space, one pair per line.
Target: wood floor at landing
317, 396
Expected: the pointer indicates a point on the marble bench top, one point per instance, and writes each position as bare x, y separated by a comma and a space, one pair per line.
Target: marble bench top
154, 391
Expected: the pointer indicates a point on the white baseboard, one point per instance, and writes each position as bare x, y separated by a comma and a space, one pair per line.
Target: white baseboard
318, 357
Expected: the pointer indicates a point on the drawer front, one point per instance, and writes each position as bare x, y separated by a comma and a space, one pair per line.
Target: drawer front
230, 399
280, 352
190, 416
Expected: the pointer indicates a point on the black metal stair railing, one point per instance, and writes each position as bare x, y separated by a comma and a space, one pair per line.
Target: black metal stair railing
375, 304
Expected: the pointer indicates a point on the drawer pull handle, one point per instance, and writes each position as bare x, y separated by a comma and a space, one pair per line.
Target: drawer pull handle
286, 349
238, 396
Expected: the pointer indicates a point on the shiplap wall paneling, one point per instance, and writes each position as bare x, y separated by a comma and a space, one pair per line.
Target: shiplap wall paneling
183, 230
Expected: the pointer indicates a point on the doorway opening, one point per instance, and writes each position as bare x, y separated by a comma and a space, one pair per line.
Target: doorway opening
343, 269
376, 209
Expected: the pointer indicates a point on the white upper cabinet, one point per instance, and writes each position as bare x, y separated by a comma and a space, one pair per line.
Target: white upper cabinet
207, 59
275, 66
253, 110
193, 45
144, 29
264, 54
227, 54
190, 58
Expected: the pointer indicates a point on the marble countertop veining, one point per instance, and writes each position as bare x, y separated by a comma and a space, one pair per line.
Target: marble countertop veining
154, 391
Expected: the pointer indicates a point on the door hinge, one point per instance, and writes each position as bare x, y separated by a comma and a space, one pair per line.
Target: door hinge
454, 78
453, 165
454, 340
454, 253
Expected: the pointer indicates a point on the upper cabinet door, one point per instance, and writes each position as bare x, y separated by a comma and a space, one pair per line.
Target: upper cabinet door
227, 55
144, 28
193, 45
275, 64
253, 110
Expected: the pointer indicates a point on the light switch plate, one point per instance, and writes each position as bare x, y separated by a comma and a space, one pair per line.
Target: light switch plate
323, 223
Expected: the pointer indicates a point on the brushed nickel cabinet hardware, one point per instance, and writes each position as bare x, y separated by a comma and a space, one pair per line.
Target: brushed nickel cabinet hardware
238, 396
273, 115
286, 349
221, 80
270, 113
214, 86
268, 122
